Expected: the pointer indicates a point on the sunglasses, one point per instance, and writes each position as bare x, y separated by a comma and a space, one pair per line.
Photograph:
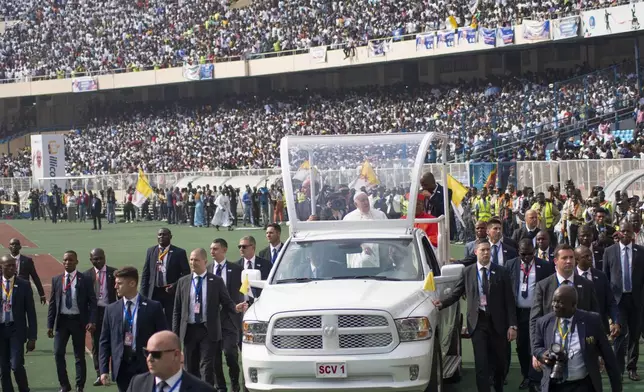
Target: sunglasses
242, 246
155, 354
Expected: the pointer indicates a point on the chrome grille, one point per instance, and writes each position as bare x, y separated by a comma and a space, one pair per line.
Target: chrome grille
298, 342
361, 321
363, 341
303, 322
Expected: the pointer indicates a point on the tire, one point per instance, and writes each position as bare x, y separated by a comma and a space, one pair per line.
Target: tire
436, 376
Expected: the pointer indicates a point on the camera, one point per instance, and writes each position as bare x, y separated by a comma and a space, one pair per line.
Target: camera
557, 358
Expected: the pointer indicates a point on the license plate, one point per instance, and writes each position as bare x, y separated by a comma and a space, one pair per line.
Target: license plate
331, 370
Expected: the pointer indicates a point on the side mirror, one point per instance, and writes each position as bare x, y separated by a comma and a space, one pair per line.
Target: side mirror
254, 277
452, 270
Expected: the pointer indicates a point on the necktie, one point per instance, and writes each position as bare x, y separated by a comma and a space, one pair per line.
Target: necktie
495, 254
485, 284
127, 327
219, 268
564, 329
68, 292
199, 316
249, 265
627, 271
564, 326
566, 282
542, 255
586, 275
161, 386
274, 256
160, 277
7, 314
97, 284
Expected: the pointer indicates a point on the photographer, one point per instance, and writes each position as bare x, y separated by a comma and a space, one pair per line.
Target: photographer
568, 343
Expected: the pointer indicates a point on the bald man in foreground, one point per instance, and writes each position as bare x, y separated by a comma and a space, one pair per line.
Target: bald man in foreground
164, 360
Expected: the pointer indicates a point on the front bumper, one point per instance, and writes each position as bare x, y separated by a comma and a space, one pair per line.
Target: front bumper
370, 372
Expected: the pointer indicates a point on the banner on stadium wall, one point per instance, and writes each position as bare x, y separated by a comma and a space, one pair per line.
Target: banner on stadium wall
425, 41
497, 175
48, 160
488, 36
504, 36
467, 36
86, 83
613, 20
565, 28
379, 48
534, 31
318, 54
446, 38
198, 71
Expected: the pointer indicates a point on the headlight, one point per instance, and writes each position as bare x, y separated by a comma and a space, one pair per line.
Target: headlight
254, 332
414, 328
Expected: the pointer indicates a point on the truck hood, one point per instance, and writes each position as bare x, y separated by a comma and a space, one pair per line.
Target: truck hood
397, 298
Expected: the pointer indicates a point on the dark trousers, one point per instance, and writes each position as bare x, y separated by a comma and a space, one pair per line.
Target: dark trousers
167, 302
583, 385
96, 336
70, 326
524, 349
12, 358
129, 368
490, 354
228, 348
97, 219
630, 322
198, 353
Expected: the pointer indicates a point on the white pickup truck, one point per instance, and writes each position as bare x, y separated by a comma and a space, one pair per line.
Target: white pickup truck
344, 307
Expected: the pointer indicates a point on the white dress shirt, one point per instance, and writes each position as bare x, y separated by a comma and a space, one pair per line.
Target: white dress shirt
135, 306
273, 249
585, 274
17, 257
560, 279
543, 254
171, 383
526, 303
6, 284
193, 297
499, 249
101, 295
73, 279
479, 266
629, 249
223, 270
576, 366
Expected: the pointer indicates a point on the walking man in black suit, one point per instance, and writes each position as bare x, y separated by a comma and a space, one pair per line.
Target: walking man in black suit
164, 265
543, 249
491, 316
501, 250
18, 325
96, 208
25, 268
525, 272
230, 323
530, 230
127, 326
102, 278
196, 316
72, 312
250, 261
585, 238
624, 267
163, 353
607, 306
581, 336
273, 234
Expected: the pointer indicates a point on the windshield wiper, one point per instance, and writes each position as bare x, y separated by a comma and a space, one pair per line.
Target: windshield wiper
367, 277
294, 280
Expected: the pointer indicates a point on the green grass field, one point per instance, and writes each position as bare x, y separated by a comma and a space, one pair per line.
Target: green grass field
125, 244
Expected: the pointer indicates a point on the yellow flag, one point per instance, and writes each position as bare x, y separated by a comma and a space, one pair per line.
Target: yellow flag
245, 287
429, 284
451, 20
458, 190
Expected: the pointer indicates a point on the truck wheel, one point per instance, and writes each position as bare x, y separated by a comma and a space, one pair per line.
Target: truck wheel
436, 377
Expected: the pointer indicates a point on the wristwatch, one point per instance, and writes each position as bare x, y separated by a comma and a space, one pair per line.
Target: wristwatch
513, 327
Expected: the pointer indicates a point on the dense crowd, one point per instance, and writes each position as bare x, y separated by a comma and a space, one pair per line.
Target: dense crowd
244, 132
69, 37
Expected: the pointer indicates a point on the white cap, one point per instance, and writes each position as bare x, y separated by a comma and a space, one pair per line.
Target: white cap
355, 197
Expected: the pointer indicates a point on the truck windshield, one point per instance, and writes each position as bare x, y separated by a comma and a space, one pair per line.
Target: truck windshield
376, 259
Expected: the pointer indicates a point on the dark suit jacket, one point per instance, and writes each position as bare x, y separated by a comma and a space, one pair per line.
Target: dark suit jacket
23, 310
266, 253
594, 344
111, 281
27, 270
510, 242
545, 290
469, 248
501, 303
551, 254
610, 230
150, 319
217, 296
522, 233
96, 207
145, 382
613, 271
598, 256
85, 298
231, 322
607, 305
542, 269
260, 264
176, 267
509, 253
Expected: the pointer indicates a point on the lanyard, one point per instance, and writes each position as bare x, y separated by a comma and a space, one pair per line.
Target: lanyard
197, 288
526, 274
562, 335
478, 275
163, 254
8, 293
100, 281
130, 321
68, 286
173, 387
